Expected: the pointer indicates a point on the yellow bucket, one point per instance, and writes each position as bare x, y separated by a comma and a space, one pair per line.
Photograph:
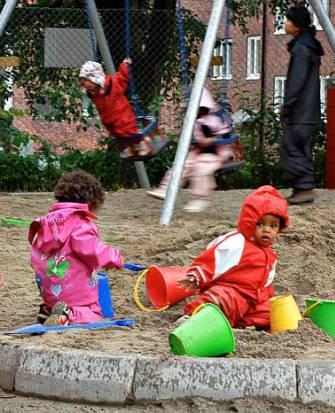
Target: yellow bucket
284, 313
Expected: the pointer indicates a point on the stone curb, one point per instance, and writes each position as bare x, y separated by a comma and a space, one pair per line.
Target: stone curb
104, 378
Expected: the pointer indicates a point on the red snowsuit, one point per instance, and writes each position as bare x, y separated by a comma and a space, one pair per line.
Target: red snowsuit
116, 113
234, 272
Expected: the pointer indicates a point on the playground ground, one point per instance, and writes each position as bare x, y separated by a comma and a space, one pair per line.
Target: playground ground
129, 220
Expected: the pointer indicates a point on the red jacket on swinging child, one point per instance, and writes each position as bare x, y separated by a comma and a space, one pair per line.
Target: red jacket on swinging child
115, 111
236, 270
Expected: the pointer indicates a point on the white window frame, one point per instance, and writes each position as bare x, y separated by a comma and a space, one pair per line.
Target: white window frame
224, 50
253, 58
315, 19
279, 92
323, 92
279, 23
9, 82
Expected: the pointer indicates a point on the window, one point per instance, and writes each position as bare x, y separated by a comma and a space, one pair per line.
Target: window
315, 19
224, 50
9, 84
253, 56
323, 92
280, 23
279, 92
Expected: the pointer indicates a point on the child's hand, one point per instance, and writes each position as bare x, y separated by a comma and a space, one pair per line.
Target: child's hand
128, 61
188, 284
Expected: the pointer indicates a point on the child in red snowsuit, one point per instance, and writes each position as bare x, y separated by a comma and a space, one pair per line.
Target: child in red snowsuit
236, 270
116, 113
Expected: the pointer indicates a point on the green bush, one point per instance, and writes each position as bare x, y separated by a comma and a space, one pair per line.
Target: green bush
40, 172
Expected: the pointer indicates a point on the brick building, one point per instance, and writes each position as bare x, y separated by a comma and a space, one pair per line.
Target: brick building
258, 60
253, 63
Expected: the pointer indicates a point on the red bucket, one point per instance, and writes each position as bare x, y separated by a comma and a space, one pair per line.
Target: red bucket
162, 285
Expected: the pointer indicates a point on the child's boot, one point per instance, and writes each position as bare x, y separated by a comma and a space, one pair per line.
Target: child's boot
59, 315
145, 147
158, 193
43, 313
128, 152
196, 205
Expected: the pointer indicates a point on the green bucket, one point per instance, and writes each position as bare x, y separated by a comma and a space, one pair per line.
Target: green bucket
206, 334
322, 313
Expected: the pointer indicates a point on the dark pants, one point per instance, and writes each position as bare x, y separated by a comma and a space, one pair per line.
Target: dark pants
296, 155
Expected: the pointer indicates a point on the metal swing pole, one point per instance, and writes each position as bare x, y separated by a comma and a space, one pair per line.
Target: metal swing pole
100, 35
5, 14
192, 110
326, 24
107, 58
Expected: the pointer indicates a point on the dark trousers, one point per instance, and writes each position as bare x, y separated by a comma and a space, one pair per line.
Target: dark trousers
296, 155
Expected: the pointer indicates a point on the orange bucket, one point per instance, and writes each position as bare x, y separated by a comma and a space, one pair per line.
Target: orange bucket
162, 285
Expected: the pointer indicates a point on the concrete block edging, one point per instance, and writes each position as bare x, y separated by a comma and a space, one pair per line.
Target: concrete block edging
105, 378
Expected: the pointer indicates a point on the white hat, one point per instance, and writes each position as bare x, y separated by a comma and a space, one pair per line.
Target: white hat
93, 71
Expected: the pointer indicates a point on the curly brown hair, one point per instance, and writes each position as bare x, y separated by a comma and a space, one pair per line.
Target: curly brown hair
81, 187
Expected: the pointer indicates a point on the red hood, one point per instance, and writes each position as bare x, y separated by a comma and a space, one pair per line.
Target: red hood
265, 200
52, 230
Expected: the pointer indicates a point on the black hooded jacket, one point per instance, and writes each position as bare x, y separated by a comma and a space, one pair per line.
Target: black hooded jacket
302, 93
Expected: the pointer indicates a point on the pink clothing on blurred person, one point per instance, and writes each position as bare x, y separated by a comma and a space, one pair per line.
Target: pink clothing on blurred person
202, 161
66, 253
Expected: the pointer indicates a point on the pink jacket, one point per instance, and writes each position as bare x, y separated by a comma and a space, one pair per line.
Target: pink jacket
66, 252
212, 120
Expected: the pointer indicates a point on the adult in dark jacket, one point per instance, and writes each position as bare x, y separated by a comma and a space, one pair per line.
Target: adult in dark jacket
300, 113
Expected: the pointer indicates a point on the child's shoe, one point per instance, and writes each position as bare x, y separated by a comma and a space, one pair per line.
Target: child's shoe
144, 148
128, 152
59, 315
43, 313
159, 193
196, 205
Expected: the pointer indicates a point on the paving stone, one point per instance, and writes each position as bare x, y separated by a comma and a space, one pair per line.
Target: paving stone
316, 382
75, 375
9, 357
217, 379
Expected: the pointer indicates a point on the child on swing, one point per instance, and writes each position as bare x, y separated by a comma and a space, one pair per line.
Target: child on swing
116, 113
236, 270
66, 252
205, 156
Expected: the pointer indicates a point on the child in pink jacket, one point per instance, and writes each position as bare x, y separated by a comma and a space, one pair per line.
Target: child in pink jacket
205, 156
66, 252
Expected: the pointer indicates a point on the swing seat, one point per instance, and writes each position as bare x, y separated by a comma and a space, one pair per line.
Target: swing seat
149, 128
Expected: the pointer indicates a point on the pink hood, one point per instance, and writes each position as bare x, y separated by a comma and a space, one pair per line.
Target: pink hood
67, 252
207, 101
51, 231
263, 201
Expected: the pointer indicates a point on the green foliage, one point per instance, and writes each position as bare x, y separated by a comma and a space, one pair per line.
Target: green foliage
10, 139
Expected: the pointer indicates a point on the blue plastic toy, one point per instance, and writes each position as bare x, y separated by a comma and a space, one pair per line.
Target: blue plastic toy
133, 267
40, 329
105, 296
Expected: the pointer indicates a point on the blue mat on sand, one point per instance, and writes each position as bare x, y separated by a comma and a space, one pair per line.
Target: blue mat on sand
40, 329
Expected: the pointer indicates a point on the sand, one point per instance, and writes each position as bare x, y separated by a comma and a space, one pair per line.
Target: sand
129, 220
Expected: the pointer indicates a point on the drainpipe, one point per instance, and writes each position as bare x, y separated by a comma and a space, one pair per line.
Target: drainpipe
263, 71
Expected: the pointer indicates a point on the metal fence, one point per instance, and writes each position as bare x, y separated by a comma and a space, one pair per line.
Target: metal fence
42, 50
